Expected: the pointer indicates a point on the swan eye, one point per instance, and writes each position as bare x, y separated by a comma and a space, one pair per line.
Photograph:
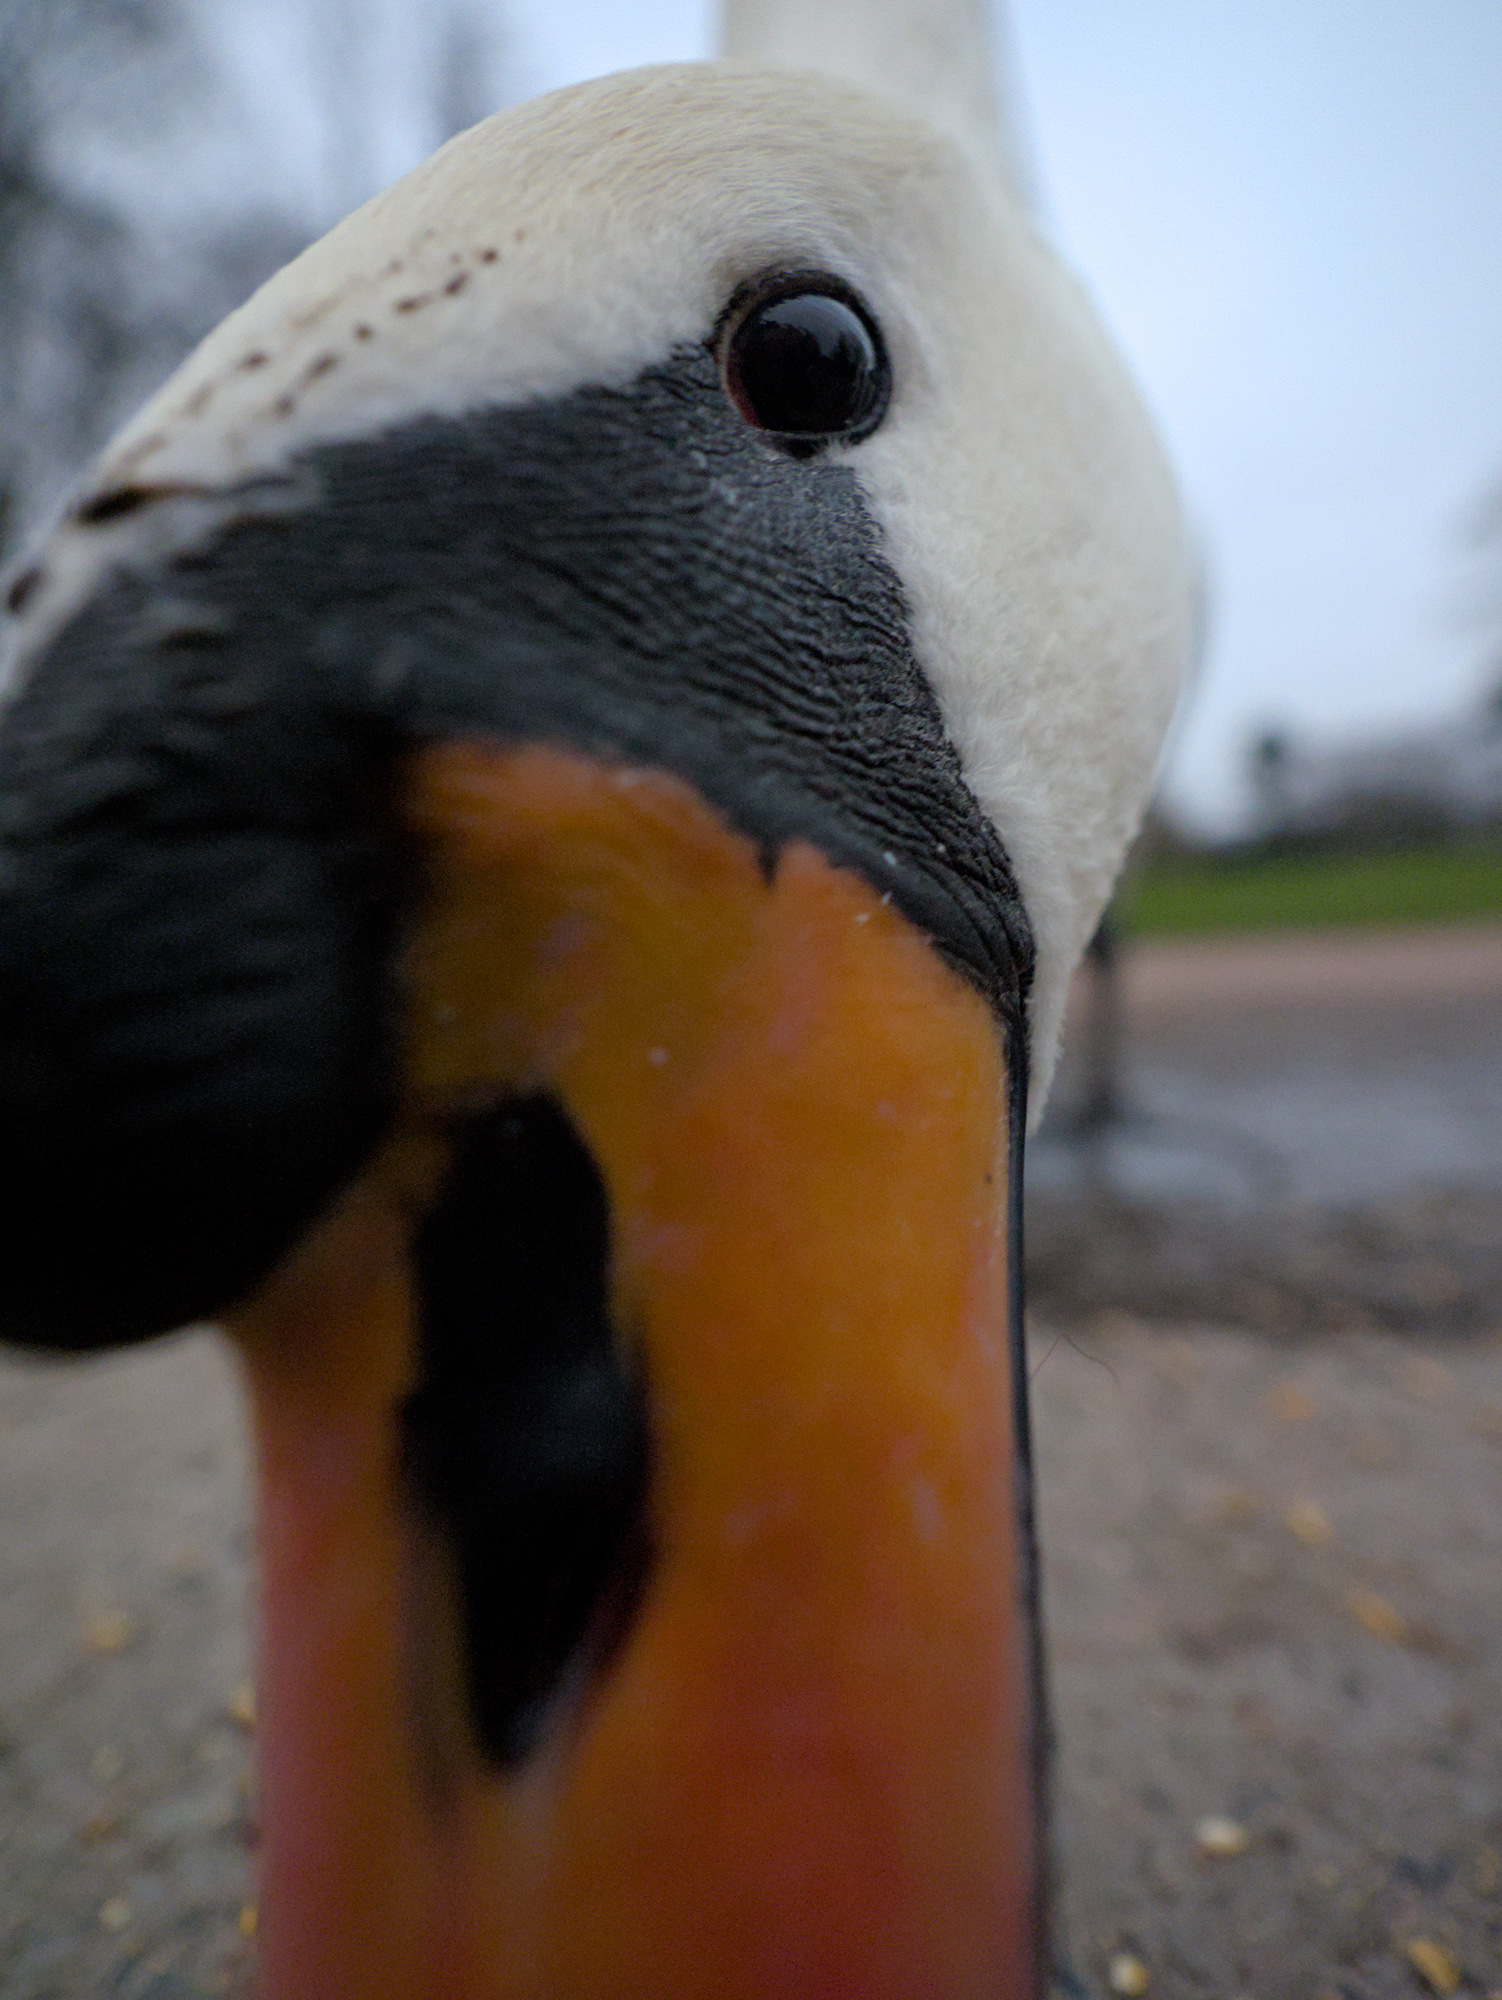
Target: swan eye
804, 360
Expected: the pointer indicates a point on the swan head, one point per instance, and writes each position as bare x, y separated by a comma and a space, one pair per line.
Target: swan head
553, 781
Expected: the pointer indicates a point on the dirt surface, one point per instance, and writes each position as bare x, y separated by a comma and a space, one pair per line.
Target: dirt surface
125, 1809
1273, 1580
1272, 1528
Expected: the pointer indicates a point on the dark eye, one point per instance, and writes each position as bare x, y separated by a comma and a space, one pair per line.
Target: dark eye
803, 359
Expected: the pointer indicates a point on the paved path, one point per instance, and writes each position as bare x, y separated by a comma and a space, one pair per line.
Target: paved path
1332, 1067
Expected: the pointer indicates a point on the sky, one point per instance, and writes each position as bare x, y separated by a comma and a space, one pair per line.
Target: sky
1291, 213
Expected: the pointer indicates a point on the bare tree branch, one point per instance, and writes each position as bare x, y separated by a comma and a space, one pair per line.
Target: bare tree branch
102, 289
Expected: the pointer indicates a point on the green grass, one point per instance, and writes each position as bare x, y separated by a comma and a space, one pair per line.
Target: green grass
1197, 894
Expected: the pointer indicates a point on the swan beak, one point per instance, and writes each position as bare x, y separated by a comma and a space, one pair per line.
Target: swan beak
766, 1725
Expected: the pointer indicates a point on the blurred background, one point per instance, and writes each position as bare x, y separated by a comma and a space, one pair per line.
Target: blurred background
1269, 1187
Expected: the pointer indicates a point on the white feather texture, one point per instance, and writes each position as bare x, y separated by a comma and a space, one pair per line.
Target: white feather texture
939, 60
581, 237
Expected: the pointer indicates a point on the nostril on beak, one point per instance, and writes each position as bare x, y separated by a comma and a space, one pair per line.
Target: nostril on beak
526, 1441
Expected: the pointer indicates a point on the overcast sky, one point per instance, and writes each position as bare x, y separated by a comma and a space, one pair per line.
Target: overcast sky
1291, 211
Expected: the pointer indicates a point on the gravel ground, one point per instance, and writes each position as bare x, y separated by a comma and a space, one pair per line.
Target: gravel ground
1272, 1529
1272, 1580
125, 1810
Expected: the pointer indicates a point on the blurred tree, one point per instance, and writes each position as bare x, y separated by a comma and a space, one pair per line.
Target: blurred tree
83, 330
159, 158
1482, 546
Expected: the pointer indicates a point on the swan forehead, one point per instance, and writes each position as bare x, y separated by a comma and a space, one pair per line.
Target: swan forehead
573, 240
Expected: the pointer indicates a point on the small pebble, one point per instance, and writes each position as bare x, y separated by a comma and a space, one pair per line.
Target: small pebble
1127, 1975
115, 1915
1375, 1615
1221, 1838
109, 1632
1308, 1523
1438, 1968
1289, 1403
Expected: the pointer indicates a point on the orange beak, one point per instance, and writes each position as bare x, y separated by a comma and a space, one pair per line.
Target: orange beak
792, 1752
